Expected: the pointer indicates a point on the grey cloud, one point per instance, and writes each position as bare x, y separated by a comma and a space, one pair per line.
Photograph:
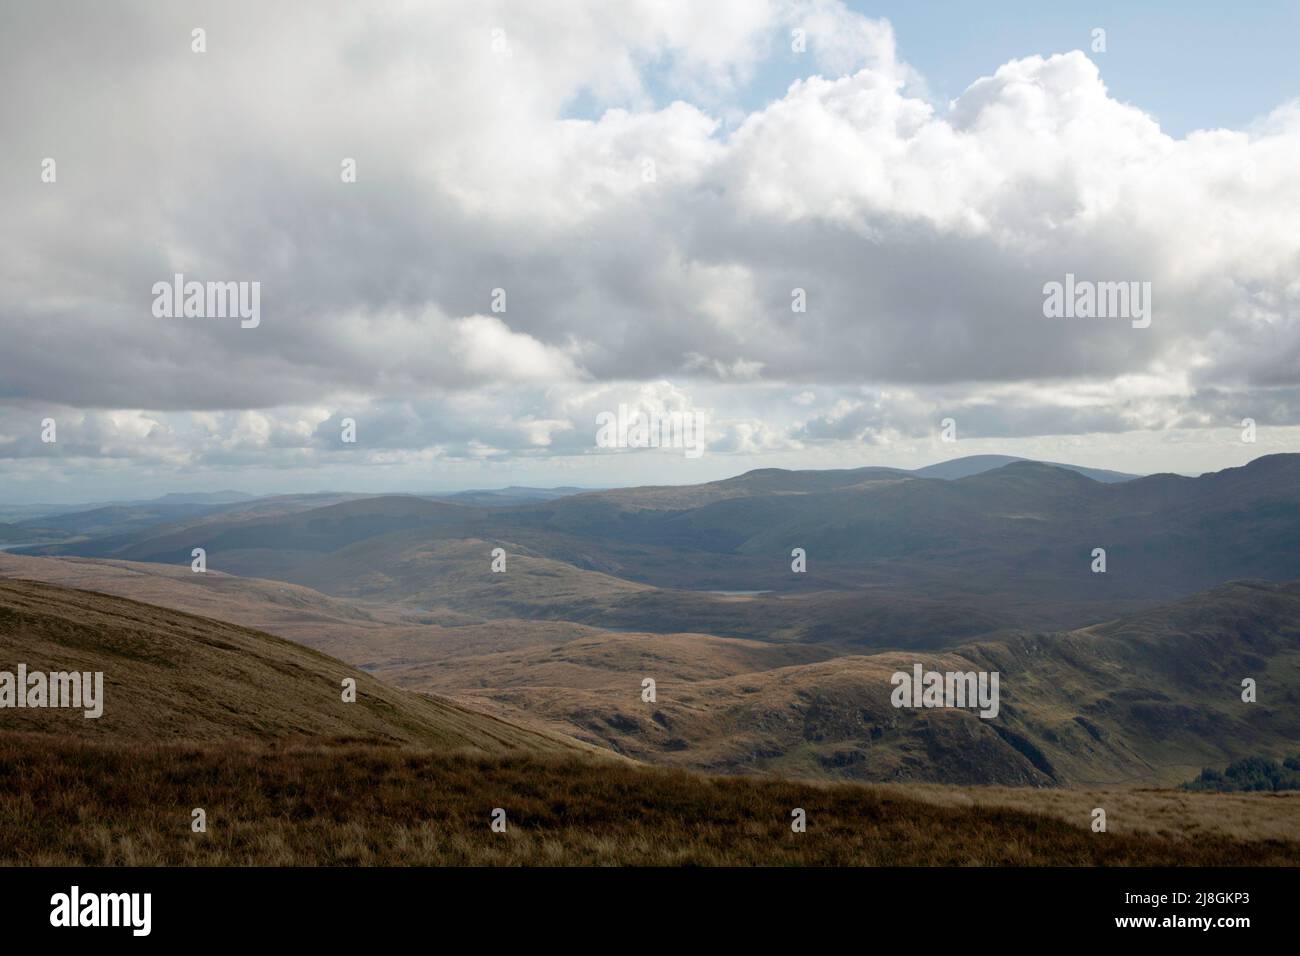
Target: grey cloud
922, 241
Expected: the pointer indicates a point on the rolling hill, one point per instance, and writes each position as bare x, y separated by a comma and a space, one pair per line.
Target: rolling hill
173, 676
204, 715
978, 464
765, 670
1145, 700
893, 560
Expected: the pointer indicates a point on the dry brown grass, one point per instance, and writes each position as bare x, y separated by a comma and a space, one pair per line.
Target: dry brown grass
64, 802
1170, 813
173, 676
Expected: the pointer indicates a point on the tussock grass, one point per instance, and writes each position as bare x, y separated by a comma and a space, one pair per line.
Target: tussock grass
68, 802
1176, 814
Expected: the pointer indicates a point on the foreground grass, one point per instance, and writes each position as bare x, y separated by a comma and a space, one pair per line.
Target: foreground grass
71, 803
1178, 814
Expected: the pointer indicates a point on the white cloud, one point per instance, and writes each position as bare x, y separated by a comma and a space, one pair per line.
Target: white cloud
922, 235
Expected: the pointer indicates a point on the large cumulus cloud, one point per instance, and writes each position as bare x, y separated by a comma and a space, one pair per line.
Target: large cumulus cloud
654, 246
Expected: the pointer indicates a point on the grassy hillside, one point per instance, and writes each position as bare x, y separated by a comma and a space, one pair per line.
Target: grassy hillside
172, 676
70, 803
251, 729
1145, 700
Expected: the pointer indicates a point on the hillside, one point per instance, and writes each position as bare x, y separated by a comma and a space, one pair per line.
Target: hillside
250, 728
1148, 699
75, 803
893, 560
172, 676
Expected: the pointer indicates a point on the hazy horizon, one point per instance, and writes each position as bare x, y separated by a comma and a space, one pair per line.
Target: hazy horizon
272, 491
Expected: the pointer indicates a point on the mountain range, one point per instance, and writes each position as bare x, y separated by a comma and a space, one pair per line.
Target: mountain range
891, 560
1131, 675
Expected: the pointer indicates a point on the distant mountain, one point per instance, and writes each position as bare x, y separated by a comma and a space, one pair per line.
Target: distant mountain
56, 522
114, 519
204, 498
978, 464
772, 480
12, 533
514, 495
892, 559
38, 510
109, 526
757, 483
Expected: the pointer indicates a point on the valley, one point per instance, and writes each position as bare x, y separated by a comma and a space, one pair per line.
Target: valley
793, 678
250, 729
1111, 687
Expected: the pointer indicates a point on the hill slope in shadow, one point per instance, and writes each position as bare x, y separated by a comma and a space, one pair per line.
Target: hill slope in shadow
893, 560
173, 676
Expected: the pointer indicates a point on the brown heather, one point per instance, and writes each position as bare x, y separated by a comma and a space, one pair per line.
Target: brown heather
66, 802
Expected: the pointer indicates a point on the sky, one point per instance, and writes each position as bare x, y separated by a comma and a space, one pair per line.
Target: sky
828, 232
